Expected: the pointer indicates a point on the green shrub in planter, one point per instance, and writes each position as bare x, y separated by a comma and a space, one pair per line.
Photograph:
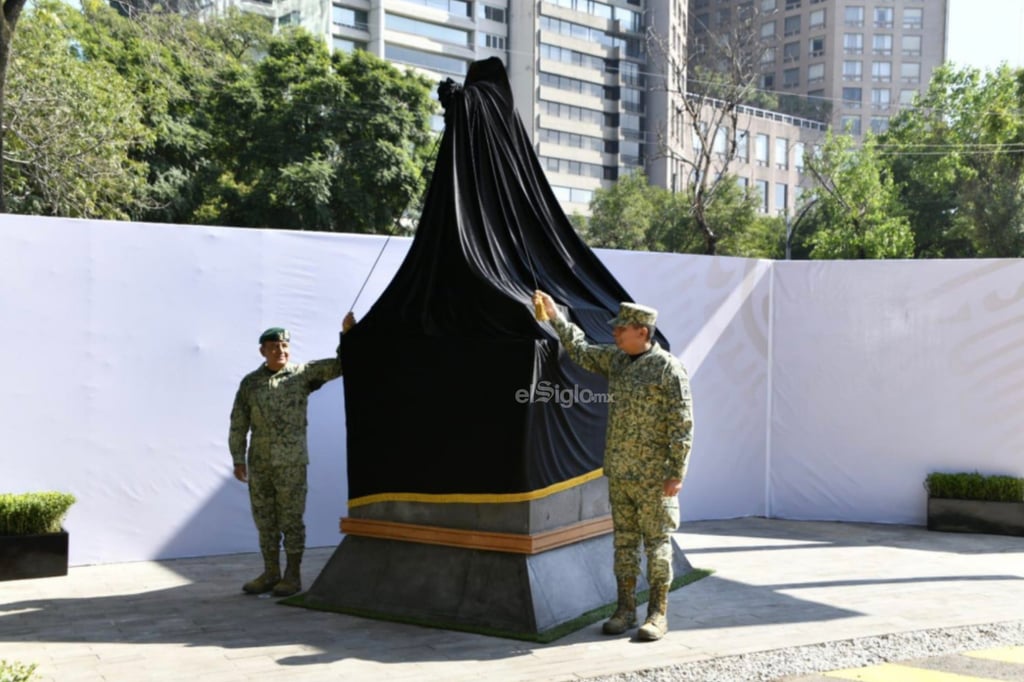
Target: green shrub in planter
33, 513
975, 486
16, 672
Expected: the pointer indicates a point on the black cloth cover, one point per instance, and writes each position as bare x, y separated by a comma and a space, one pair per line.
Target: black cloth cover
436, 371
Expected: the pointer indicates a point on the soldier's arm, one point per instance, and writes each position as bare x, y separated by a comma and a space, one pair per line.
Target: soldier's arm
320, 372
592, 357
678, 411
239, 430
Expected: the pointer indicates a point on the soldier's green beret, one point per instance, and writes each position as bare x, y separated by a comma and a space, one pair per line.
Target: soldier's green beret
634, 313
275, 334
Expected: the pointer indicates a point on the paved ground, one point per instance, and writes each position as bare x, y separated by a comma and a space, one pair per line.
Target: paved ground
776, 584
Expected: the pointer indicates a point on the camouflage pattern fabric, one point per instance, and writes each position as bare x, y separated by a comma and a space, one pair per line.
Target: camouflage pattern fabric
278, 497
272, 406
650, 430
641, 512
650, 422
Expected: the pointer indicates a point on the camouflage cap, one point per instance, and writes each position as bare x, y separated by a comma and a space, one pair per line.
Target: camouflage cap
275, 334
634, 313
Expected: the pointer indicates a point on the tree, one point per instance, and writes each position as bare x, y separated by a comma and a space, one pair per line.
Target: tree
625, 215
956, 158
173, 63
635, 215
73, 126
310, 140
11, 11
709, 78
854, 208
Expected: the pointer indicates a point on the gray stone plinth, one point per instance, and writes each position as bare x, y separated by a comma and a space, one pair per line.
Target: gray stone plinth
469, 588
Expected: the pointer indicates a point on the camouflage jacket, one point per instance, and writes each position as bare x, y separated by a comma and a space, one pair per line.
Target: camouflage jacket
650, 419
273, 406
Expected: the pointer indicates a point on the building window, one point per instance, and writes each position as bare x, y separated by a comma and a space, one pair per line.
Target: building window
815, 73
768, 56
573, 195
879, 124
853, 70
344, 45
882, 44
493, 13
428, 60
853, 43
816, 46
907, 97
816, 19
852, 98
798, 156
767, 81
490, 40
910, 72
850, 125
792, 25
881, 72
426, 29
781, 192
913, 18
761, 149
454, 7
791, 78
790, 52
720, 144
769, 5
761, 191
883, 17
743, 146
853, 17
768, 30
350, 18
880, 98
781, 153
911, 46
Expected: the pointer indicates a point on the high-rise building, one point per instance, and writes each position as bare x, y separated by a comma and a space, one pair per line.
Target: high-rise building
864, 58
589, 88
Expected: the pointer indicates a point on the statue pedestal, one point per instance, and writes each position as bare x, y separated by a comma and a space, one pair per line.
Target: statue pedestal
511, 569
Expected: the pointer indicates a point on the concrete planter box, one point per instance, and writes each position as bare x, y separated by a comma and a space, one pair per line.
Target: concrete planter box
33, 556
976, 516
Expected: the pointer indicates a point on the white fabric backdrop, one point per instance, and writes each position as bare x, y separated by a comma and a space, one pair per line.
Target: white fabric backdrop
131, 340
885, 371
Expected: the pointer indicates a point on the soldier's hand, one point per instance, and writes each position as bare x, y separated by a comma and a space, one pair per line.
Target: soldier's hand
672, 487
539, 297
348, 322
242, 473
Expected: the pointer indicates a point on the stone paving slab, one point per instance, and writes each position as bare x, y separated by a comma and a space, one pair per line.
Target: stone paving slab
777, 583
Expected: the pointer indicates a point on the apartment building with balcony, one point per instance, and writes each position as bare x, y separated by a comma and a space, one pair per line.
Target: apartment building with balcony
865, 58
585, 82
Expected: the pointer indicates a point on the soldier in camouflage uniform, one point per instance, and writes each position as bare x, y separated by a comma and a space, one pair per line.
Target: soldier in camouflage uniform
271, 403
650, 428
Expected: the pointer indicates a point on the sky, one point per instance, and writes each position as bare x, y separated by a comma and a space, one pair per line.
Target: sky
983, 33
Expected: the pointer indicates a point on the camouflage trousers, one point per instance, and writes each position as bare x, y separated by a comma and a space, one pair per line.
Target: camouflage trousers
642, 513
278, 497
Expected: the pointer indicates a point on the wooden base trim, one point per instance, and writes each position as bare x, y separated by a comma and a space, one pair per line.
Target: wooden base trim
516, 543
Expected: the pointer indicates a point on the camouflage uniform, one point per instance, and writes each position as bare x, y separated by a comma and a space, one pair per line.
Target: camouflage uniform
273, 406
648, 440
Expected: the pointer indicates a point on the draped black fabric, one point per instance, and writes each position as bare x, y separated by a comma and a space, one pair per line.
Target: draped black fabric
446, 376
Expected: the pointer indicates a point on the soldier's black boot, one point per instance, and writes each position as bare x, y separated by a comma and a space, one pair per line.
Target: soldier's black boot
292, 581
271, 575
656, 624
624, 617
